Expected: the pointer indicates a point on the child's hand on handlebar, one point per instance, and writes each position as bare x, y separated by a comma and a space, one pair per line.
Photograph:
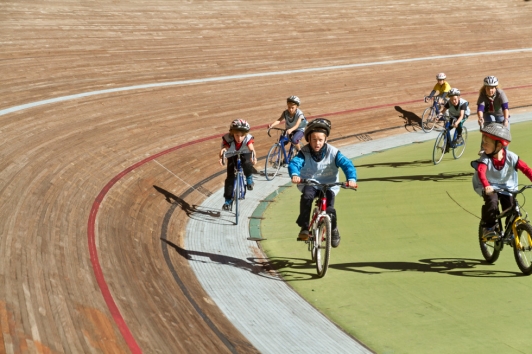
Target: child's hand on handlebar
296, 179
351, 184
489, 190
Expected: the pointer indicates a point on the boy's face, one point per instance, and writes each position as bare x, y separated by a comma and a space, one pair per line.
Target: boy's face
454, 100
490, 90
441, 81
317, 140
238, 135
292, 107
488, 144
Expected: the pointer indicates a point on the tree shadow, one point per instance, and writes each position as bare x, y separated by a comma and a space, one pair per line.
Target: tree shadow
411, 120
254, 265
449, 266
458, 176
416, 163
185, 206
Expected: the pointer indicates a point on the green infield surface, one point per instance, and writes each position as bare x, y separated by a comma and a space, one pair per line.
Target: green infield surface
408, 276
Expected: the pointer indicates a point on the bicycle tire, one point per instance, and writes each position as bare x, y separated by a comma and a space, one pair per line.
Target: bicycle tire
428, 119
490, 249
458, 150
523, 252
323, 246
314, 232
273, 162
439, 147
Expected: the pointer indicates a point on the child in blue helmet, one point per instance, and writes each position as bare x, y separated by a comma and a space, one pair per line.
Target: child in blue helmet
319, 161
295, 121
238, 139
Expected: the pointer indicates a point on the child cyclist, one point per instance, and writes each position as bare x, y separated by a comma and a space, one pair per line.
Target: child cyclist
319, 161
295, 121
442, 87
496, 168
492, 103
238, 139
458, 111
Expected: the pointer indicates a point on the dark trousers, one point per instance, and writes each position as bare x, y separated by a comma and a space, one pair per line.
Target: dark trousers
247, 166
490, 209
305, 206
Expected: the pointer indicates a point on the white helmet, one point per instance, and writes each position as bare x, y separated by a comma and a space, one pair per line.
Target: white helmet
294, 99
441, 76
453, 92
491, 81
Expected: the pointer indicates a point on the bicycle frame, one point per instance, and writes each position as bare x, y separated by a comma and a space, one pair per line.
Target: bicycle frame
277, 155
283, 141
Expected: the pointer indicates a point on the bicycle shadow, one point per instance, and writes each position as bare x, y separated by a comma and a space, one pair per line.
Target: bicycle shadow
416, 163
257, 266
465, 267
192, 211
411, 120
455, 176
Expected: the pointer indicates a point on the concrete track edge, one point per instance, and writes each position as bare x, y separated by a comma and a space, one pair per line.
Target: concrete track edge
262, 306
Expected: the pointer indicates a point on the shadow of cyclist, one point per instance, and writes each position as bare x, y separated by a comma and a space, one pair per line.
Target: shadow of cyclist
458, 177
185, 206
416, 163
410, 119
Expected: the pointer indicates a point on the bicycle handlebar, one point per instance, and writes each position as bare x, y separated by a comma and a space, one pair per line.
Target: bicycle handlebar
281, 129
513, 192
310, 182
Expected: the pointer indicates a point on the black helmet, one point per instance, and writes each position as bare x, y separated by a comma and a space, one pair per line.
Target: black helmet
239, 125
497, 132
318, 125
294, 99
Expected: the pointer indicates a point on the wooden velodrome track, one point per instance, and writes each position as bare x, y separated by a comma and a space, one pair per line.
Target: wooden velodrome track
81, 261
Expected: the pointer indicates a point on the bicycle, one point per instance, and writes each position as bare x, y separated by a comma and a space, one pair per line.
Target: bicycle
430, 118
277, 156
517, 234
444, 143
319, 241
240, 183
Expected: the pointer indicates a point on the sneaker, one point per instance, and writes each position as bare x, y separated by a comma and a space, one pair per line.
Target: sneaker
249, 182
303, 234
227, 204
459, 140
335, 239
490, 233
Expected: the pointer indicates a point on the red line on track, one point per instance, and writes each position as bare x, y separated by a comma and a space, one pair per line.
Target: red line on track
91, 233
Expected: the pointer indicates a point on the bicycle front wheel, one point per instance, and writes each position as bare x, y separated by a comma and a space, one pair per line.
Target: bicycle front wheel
238, 193
490, 249
523, 248
428, 119
460, 144
273, 162
322, 244
439, 147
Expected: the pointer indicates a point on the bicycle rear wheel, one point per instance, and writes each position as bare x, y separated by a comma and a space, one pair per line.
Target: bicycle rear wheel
459, 146
428, 119
273, 162
490, 249
523, 252
439, 147
322, 244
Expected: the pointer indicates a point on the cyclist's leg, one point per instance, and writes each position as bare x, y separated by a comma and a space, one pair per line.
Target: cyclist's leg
295, 138
305, 207
229, 182
335, 233
247, 166
490, 211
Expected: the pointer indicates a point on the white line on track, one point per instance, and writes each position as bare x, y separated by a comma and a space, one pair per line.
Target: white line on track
248, 76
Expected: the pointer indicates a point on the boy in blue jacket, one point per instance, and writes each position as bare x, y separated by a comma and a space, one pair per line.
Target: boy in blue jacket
320, 162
